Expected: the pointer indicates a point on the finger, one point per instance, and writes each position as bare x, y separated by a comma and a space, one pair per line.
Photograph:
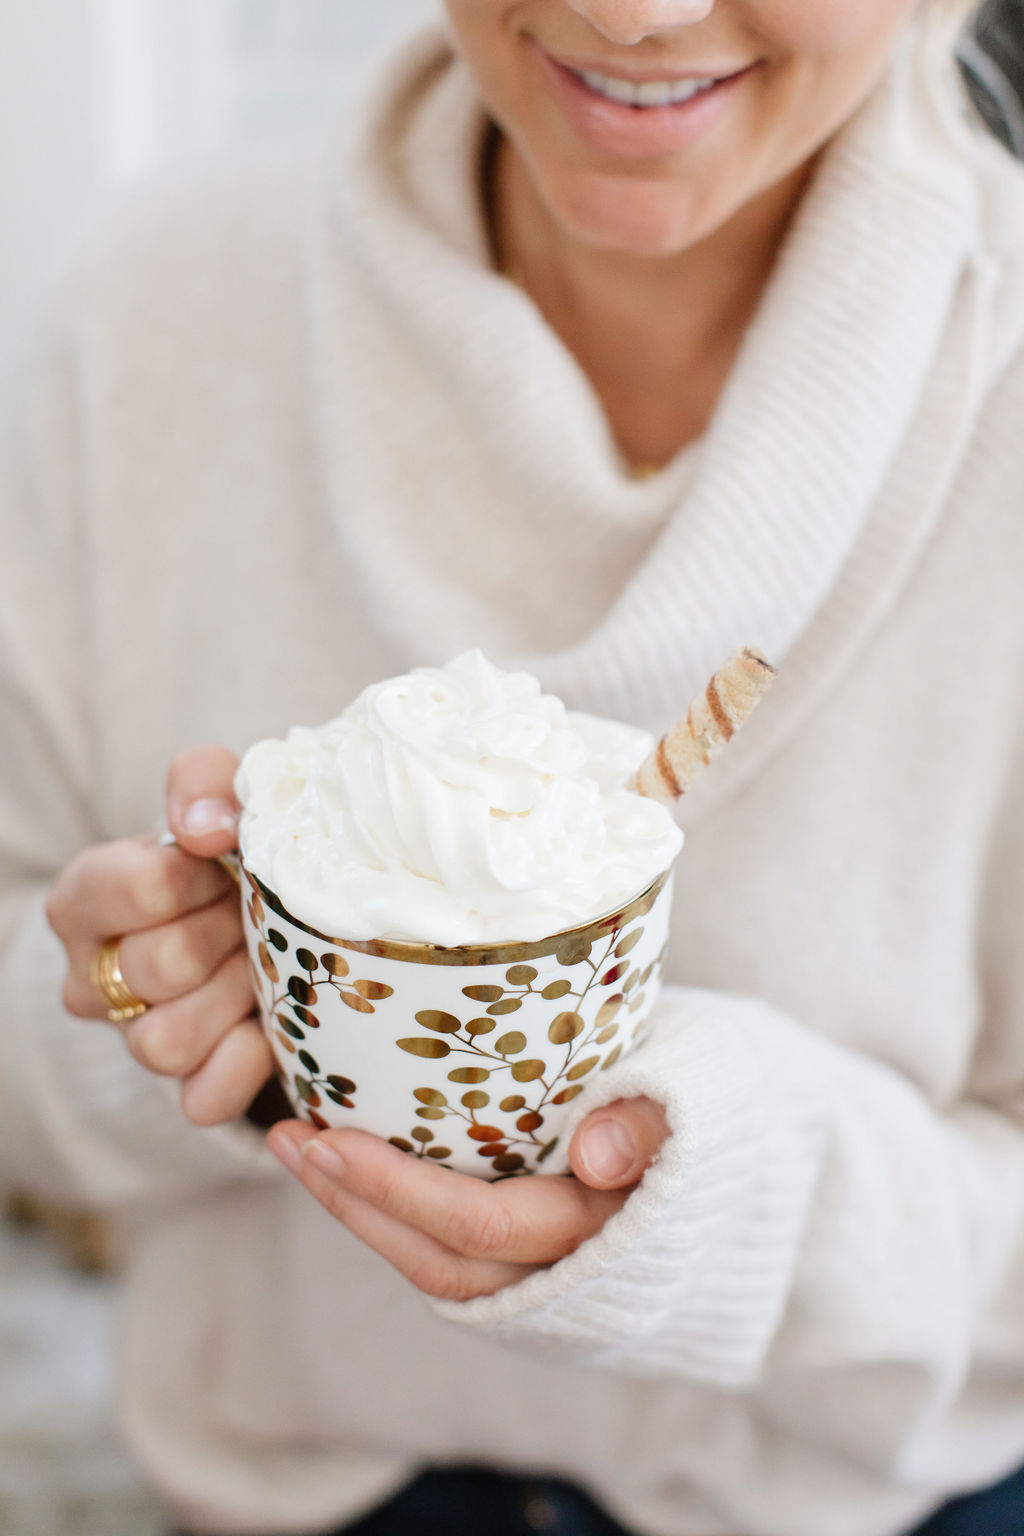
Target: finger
168, 962
202, 809
231, 1077
127, 886
615, 1146
516, 1221
427, 1263
175, 1040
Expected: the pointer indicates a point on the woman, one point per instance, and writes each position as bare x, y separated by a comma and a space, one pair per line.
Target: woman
629, 331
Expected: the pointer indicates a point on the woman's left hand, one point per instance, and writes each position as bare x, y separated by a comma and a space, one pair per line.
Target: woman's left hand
457, 1237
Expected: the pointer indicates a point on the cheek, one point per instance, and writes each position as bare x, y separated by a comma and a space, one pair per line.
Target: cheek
841, 32
827, 55
486, 34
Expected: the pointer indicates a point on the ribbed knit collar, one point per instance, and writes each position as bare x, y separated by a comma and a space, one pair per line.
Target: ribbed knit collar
474, 476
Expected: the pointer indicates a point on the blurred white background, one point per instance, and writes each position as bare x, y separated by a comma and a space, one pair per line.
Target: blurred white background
97, 91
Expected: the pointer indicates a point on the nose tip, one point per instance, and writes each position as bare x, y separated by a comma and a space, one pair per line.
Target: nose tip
628, 22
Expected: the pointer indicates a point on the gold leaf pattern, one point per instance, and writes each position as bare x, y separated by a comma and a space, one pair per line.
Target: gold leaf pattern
358, 1004
607, 1011
597, 955
441, 1023
481, 1026
582, 1068
417, 1046
612, 976
507, 1005
629, 943
484, 994
377, 991
556, 989
573, 949
528, 1071
565, 1028
270, 969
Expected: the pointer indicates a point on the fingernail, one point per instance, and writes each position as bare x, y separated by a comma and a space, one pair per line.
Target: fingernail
286, 1152
607, 1150
205, 816
324, 1157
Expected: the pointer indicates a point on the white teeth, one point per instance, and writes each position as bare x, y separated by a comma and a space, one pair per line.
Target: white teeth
654, 93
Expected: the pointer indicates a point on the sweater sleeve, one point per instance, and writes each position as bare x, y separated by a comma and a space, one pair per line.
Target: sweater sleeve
81, 1121
816, 1232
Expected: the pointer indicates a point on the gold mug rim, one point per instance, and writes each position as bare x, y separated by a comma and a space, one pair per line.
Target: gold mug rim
508, 952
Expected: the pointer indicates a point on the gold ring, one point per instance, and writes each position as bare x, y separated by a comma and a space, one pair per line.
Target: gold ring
105, 975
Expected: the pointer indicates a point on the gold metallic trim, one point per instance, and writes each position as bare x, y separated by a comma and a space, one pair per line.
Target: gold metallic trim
565, 942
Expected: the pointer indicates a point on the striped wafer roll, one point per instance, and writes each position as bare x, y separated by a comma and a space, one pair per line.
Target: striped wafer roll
730, 698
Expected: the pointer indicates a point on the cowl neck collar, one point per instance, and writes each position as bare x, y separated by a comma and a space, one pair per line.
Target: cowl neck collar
473, 476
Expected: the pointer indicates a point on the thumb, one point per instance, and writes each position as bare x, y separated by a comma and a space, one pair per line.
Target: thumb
615, 1146
202, 810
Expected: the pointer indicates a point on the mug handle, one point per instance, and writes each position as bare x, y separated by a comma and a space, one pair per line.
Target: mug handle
229, 862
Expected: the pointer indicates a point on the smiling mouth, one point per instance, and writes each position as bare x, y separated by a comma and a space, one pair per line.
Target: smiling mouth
649, 93
646, 94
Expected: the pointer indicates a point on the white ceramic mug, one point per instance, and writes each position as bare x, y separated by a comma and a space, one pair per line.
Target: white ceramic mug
469, 1056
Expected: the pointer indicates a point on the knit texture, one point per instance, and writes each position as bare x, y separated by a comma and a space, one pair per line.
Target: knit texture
289, 434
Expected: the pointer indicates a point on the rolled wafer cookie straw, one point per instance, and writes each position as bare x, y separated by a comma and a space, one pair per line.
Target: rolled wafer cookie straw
685, 751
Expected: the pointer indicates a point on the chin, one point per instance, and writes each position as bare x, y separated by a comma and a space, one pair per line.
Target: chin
633, 218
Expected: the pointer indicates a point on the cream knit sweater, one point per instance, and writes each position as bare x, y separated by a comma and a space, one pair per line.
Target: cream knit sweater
288, 435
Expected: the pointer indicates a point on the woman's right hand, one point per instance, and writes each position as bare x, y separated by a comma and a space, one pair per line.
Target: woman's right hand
175, 912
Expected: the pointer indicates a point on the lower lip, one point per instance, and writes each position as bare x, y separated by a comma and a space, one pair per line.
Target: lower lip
637, 133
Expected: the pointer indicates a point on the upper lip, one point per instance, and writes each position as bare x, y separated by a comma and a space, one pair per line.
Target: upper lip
671, 74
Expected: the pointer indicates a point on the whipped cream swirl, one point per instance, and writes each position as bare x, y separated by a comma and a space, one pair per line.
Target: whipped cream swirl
455, 805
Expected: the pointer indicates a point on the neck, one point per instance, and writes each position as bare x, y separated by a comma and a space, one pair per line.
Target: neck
656, 336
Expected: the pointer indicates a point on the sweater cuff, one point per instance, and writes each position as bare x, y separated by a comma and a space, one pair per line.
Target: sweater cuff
691, 1276
83, 1122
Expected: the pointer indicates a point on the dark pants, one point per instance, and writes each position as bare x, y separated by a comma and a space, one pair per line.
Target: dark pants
471, 1503
478, 1503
